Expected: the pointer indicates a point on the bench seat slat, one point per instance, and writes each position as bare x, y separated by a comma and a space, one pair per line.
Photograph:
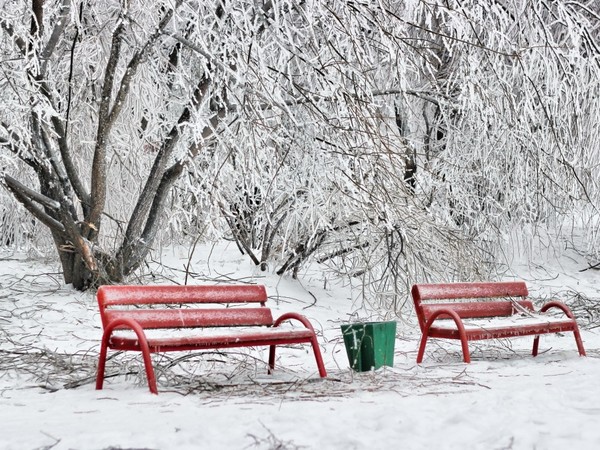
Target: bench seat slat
477, 309
446, 291
240, 338
502, 328
173, 294
500, 333
190, 318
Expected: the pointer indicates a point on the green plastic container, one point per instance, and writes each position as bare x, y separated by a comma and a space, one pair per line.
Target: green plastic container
369, 345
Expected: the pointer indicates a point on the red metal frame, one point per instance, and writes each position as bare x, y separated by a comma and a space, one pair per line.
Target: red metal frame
565, 309
313, 340
168, 318
473, 305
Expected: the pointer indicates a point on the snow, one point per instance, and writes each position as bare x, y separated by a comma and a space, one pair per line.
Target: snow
49, 340
503, 322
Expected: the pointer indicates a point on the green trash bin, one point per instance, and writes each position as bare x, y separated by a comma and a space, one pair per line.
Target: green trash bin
369, 345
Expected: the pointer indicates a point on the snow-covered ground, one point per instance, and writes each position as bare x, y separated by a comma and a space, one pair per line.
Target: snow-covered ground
504, 399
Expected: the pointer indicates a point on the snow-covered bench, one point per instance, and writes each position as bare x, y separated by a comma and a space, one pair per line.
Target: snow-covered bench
218, 316
494, 310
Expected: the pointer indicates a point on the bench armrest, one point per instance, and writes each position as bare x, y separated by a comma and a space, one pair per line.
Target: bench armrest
560, 305
126, 323
459, 325
457, 320
294, 316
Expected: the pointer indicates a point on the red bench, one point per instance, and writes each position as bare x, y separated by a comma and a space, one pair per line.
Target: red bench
230, 316
475, 311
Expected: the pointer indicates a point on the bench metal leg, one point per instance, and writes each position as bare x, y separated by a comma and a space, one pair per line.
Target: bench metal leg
464, 345
465, 348
144, 348
565, 309
272, 358
149, 369
536, 344
313, 341
422, 348
462, 334
578, 341
318, 357
316, 350
101, 365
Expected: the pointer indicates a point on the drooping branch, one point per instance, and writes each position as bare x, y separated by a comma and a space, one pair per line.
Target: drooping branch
200, 51
433, 97
15, 185
13, 145
27, 197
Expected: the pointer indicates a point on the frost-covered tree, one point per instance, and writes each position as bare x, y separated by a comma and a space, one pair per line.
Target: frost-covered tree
390, 140
488, 100
106, 106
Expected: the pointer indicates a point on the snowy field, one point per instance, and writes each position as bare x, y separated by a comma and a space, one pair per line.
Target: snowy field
504, 399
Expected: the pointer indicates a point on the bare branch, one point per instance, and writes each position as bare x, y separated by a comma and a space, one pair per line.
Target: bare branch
134, 251
65, 152
12, 145
57, 32
30, 193
25, 196
108, 115
160, 162
200, 51
98, 191
71, 67
37, 20
67, 160
11, 32
133, 66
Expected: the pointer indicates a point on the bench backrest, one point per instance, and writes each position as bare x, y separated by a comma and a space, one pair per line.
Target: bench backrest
163, 306
470, 300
